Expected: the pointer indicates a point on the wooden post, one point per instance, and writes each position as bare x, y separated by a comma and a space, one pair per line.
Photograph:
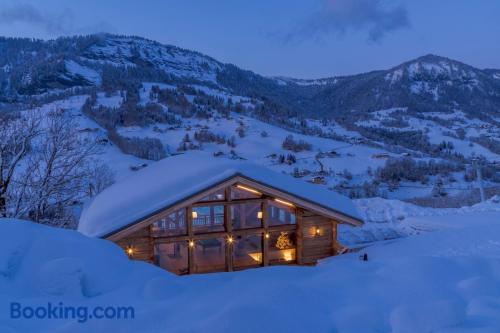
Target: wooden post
229, 229
300, 236
152, 245
189, 221
265, 241
334, 237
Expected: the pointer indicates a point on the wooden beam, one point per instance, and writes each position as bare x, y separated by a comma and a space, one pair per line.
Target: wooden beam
229, 228
242, 232
224, 203
189, 224
229, 255
334, 237
265, 240
300, 236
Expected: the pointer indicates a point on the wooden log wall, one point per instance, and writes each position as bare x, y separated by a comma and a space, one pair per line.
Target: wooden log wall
318, 237
141, 244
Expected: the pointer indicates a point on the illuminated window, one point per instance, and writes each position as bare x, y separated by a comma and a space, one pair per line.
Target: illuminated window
247, 251
209, 255
244, 216
282, 247
208, 219
171, 225
279, 214
216, 196
173, 257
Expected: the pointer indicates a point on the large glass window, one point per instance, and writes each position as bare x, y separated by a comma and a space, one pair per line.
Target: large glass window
282, 247
171, 225
244, 192
173, 257
279, 214
209, 255
208, 219
215, 196
247, 251
247, 215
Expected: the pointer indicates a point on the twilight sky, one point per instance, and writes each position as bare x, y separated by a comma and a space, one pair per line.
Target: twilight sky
298, 38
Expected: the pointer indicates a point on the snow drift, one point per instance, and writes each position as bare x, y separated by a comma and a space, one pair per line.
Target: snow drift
444, 281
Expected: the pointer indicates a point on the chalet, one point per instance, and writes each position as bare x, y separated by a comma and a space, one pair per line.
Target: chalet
195, 213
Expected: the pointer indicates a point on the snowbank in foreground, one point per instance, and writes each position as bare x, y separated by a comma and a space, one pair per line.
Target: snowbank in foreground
444, 281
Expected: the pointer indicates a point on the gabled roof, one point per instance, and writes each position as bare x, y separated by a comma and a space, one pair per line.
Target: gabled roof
174, 179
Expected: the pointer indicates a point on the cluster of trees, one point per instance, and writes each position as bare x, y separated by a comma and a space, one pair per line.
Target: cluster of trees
414, 140
207, 136
406, 168
187, 144
46, 168
145, 148
295, 145
487, 142
288, 159
128, 114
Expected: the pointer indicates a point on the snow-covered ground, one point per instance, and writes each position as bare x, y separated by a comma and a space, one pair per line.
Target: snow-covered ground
446, 280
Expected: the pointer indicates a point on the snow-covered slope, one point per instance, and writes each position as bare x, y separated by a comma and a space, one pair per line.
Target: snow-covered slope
442, 281
431, 110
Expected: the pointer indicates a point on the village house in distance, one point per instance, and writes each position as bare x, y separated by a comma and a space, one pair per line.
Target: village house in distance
195, 213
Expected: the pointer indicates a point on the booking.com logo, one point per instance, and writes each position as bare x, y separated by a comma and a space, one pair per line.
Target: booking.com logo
67, 312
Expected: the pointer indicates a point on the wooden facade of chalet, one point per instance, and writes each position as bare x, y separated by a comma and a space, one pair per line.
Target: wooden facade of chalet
237, 224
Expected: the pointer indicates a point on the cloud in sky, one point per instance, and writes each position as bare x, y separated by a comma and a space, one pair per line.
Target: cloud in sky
341, 16
58, 24
26, 13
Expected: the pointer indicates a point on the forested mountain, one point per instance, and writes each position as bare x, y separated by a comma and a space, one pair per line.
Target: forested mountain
426, 84
418, 130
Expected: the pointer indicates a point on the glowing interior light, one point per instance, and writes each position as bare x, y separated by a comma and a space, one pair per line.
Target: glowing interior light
248, 189
256, 256
284, 202
288, 255
194, 215
259, 215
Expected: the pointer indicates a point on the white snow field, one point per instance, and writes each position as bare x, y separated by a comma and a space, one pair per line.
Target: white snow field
447, 280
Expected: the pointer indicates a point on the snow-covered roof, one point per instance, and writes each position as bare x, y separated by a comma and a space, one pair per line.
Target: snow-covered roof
177, 178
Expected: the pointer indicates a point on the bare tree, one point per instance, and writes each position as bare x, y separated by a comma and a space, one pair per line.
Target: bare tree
57, 173
52, 169
16, 135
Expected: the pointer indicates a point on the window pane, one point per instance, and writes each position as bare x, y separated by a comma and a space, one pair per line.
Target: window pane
219, 195
208, 219
279, 214
244, 192
282, 247
209, 255
171, 225
173, 257
244, 216
247, 251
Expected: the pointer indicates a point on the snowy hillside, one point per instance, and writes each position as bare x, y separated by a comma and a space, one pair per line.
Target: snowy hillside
404, 133
332, 156
441, 281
